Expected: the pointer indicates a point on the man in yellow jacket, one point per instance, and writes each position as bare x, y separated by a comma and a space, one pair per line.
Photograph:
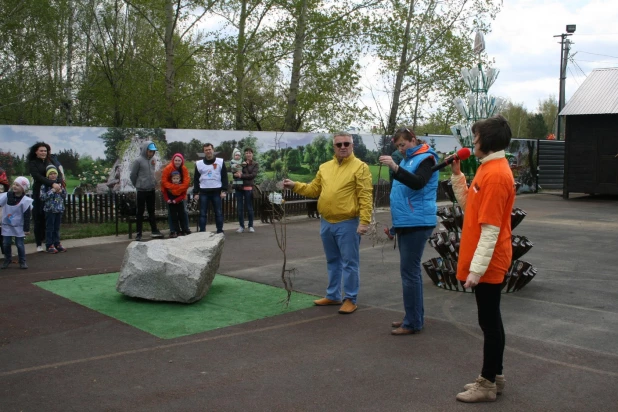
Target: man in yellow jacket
345, 191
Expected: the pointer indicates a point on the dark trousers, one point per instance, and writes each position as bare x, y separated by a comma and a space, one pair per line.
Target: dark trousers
52, 232
214, 198
145, 200
244, 197
490, 321
178, 217
38, 215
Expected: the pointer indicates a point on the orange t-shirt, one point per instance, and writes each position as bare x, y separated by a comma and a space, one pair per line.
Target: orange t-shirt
490, 201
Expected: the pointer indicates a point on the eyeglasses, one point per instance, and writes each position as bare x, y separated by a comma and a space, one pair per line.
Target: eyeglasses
344, 144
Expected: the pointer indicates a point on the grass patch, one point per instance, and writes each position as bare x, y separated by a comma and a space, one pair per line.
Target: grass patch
229, 301
72, 183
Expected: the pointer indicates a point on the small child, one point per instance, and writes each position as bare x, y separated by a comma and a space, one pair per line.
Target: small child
236, 165
177, 208
15, 220
53, 206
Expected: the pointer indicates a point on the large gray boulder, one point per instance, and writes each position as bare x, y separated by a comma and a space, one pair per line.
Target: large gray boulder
177, 270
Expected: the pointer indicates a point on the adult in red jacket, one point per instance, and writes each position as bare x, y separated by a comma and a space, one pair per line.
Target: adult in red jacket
175, 194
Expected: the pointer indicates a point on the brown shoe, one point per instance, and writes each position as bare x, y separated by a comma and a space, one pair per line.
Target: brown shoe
397, 324
326, 302
403, 331
347, 307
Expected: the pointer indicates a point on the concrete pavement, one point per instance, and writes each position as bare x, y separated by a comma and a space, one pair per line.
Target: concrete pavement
562, 332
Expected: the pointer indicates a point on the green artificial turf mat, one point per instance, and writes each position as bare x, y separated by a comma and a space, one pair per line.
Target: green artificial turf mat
229, 301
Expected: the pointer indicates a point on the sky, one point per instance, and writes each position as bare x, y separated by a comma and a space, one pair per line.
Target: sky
521, 42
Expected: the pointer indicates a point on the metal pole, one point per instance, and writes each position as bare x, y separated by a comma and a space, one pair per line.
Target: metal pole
562, 36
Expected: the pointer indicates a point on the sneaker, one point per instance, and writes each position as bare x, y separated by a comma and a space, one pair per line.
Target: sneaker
23, 266
481, 391
187, 232
500, 382
60, 248
240, 230
156, 234
52, 250
5, 264
173, 235
40, 249
251, 230
138, 237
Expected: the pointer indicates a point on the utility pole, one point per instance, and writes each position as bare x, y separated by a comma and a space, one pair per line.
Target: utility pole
565, 46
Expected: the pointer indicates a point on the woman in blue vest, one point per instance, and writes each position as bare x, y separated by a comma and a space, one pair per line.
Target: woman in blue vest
413, 213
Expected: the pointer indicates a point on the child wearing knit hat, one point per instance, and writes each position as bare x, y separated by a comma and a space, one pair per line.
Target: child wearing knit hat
53, 206
15, 220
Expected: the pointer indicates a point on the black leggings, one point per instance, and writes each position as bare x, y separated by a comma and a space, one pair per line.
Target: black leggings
38, 215
145, 200
490, 321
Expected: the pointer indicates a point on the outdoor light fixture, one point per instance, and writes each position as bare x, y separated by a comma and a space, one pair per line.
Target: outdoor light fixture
570, 28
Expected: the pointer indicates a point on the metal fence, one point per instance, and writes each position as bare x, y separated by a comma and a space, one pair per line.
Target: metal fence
106, 208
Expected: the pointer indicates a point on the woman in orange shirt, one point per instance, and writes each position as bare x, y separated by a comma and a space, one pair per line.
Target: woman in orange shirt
485, 252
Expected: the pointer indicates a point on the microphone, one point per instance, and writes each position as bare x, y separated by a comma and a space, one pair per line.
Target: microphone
462, 154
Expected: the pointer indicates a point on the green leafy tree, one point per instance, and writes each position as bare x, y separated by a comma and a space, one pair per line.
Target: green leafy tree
537, 129
194, 147
226, 148
422, 46
292, 160
360, 150
517, 116
69, 160
549, 109
176, 147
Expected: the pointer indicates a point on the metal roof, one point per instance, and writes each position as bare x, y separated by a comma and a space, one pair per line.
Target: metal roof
598, 94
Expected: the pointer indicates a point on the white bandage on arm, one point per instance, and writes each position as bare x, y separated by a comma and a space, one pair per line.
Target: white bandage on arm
484, 249
460, 188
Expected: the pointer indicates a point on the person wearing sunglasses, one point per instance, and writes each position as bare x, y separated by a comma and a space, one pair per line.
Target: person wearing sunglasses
486, 250
345, 191
413, 213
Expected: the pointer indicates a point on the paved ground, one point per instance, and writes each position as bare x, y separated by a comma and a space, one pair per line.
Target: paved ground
562, 332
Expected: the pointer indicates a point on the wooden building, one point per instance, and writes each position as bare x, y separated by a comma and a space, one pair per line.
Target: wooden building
591, 135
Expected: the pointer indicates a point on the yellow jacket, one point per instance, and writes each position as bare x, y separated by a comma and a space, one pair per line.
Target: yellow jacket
345, 190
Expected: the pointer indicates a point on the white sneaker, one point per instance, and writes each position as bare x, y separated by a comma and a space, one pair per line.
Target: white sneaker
251, 230
40, 249
240, 230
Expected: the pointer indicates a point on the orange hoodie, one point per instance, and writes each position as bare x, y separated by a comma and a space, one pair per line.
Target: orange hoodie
168, 188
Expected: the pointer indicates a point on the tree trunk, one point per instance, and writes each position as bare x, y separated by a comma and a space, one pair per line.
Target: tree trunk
170, 72
403, 67
240, 66
292, 123
68, 86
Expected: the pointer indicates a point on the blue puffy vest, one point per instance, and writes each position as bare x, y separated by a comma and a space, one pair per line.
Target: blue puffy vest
415, 208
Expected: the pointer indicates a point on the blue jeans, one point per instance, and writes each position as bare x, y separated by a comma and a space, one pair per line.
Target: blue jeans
244, 197
21, 250
342, 249
215, 200
52, 229
411, 246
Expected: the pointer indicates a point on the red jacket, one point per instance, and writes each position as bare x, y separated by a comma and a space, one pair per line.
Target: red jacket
171, 191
